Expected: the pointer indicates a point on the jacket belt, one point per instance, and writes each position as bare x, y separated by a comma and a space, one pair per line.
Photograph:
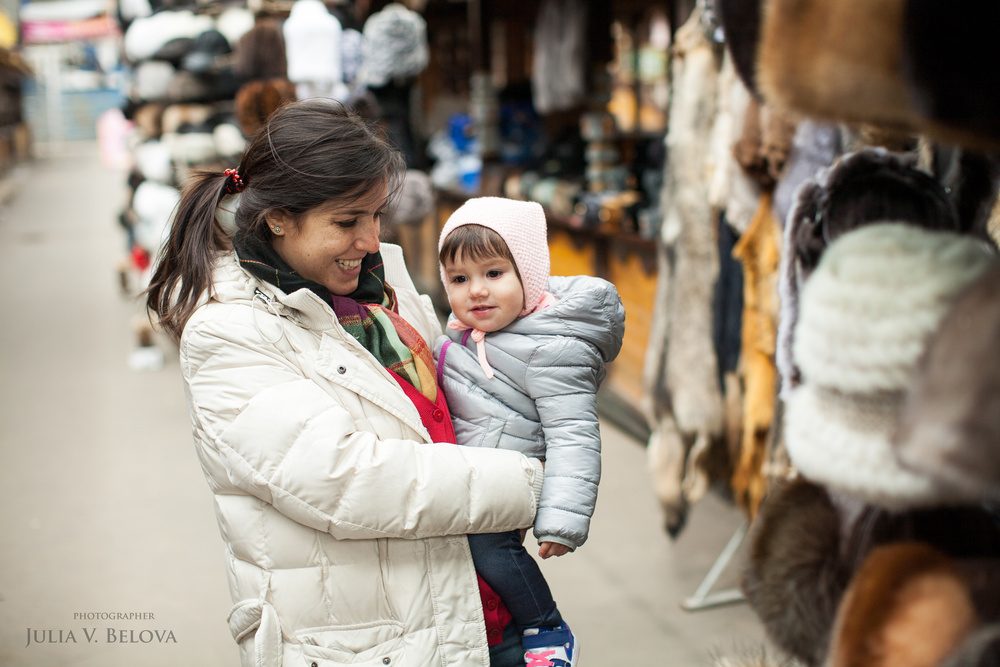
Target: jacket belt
259, 617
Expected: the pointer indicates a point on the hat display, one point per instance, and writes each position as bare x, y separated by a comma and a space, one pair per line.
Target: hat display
865, 316
521, 224
205, 51
950, 423
395, 45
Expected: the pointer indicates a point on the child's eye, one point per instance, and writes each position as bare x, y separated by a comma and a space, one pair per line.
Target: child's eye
494, 273
458, 279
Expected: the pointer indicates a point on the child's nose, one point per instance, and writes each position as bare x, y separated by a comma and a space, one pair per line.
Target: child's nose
478, 287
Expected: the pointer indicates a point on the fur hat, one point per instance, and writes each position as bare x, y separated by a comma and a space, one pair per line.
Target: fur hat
256, 100
395, 45
863, 187
866, 315
312, 43
261, 53
794, 577
902, 65
907, 605
950, 423
521, 224
415, 201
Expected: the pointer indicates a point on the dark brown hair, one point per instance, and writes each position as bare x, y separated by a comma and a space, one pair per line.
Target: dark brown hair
476, 243
307, 154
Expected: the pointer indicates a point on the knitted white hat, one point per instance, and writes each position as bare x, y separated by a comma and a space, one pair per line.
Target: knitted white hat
521, 224
866, 315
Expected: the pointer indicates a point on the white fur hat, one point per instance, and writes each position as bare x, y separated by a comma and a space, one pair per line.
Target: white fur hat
866, 315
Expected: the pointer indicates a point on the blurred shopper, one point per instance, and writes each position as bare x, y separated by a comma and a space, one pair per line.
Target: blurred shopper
343, 502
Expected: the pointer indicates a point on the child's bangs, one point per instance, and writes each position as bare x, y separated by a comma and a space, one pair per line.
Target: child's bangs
475, 243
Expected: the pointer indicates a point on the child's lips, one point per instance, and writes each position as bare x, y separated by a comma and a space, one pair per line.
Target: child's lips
481, 311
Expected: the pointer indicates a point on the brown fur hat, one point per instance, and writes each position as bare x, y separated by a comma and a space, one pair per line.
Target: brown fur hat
794, 577
256, 100
260, 52
835, 59
907, 606
950, 427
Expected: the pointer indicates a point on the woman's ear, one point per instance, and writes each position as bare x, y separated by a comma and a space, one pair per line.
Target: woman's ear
278, 221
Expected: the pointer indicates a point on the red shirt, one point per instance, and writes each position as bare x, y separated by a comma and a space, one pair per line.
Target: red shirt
437, 420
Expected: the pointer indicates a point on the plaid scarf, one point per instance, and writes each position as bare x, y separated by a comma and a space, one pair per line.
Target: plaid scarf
369, 313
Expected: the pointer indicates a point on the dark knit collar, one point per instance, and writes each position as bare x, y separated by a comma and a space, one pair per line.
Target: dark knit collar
263, 262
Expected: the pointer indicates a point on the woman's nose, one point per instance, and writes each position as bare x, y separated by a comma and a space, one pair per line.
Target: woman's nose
367, 238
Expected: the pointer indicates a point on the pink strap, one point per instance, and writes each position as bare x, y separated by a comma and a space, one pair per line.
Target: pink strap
480, 337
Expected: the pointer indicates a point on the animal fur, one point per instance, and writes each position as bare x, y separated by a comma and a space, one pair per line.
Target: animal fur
835, 59
740, 21
758, 250
864, 187
950, 422
256, 100
260, 52
687, 411
794, 577
979, 649
907, 606
948, 55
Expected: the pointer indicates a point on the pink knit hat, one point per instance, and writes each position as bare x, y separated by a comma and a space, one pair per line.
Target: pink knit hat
521, 224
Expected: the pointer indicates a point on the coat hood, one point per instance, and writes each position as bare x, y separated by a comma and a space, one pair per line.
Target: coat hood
587, 308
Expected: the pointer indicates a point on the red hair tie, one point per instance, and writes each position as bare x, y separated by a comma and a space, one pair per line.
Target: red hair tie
234, 183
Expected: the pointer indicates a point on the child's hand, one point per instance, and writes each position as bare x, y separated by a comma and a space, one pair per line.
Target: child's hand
549, 549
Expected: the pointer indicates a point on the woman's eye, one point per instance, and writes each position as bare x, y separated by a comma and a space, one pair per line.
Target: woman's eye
345, 224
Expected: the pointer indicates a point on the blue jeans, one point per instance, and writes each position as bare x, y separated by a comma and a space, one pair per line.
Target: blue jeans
502, 561
508, 653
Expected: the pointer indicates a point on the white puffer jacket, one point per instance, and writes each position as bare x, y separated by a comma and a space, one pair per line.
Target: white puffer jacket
345, 528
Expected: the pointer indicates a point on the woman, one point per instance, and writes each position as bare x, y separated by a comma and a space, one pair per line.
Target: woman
316, 413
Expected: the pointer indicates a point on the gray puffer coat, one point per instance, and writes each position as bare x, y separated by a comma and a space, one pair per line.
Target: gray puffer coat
542, 400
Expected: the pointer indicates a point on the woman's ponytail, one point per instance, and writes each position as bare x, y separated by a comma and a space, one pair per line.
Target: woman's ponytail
183, 270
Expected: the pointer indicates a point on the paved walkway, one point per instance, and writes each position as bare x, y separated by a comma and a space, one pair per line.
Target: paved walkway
104, 511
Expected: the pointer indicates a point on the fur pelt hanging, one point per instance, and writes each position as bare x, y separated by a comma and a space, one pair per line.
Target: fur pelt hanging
759, 250
731, 189
687, 413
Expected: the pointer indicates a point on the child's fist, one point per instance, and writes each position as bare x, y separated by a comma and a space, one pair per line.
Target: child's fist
553, 549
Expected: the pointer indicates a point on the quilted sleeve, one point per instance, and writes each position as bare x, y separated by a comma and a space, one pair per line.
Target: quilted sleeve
562, 378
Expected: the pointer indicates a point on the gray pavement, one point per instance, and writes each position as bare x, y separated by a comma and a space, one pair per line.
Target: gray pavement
106, 520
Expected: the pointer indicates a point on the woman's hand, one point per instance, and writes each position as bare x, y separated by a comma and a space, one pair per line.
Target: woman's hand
549, 549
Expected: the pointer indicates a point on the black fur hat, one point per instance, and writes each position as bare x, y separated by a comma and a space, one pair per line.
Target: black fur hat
794, 576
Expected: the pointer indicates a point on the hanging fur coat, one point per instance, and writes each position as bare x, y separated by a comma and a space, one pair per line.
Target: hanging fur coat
687, 411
